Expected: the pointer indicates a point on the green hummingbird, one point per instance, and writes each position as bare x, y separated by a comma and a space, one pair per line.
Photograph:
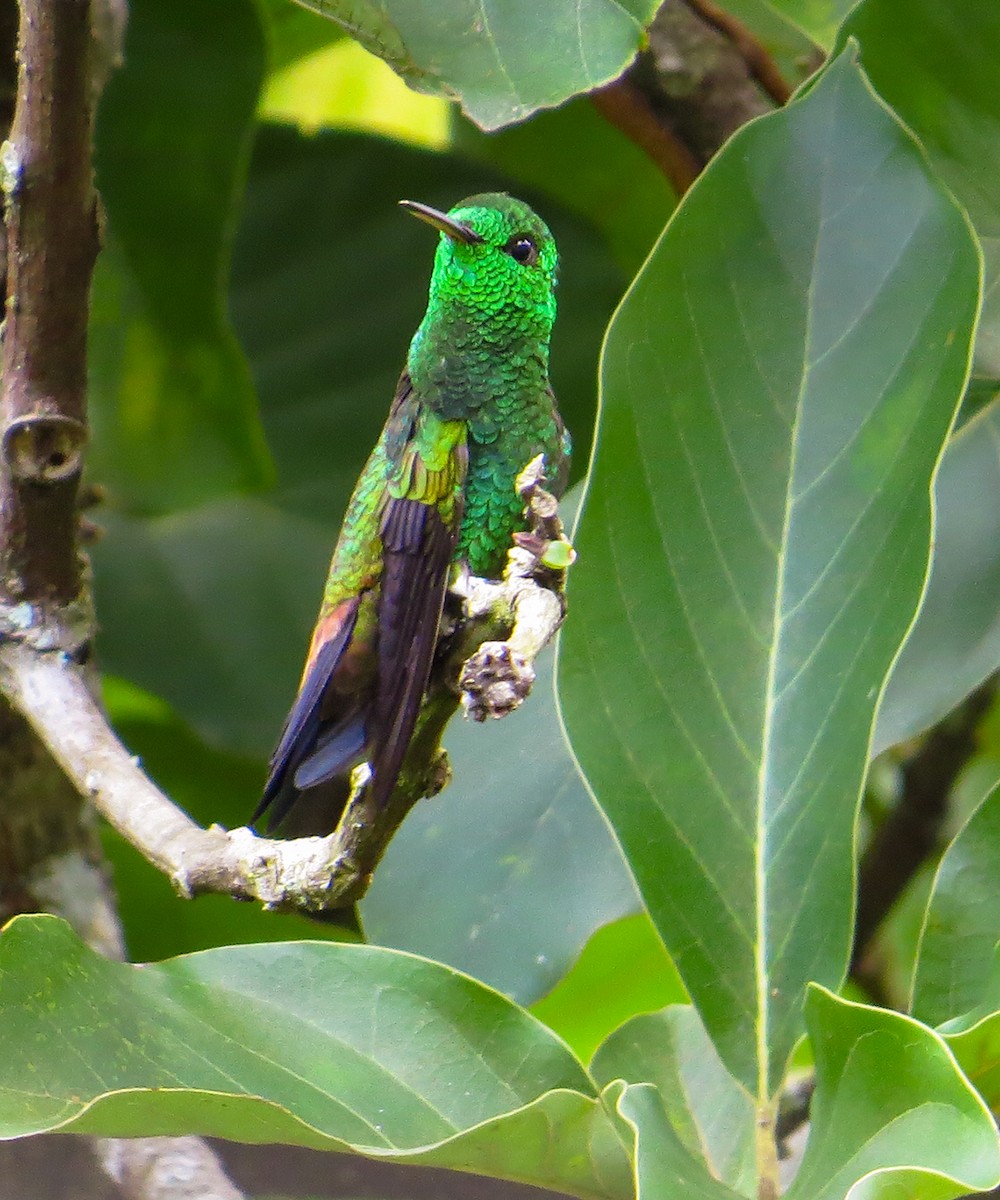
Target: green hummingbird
472, 408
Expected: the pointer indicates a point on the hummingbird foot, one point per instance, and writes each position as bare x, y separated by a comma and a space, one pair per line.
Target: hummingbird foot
545, 540
495, 680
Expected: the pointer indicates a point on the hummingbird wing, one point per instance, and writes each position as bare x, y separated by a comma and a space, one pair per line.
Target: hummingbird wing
417, 550
372, 649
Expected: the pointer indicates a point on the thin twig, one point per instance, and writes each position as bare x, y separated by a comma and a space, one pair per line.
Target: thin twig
759, 63
626, 107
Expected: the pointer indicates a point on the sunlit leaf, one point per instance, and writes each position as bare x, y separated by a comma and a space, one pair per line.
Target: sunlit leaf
500, 62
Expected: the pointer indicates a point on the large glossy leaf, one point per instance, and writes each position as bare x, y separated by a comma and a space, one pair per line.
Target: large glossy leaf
501, 62
955, 643
777, 386
956, 961
892, 1114
320, 1045
710, 1113
172, 403
932, 62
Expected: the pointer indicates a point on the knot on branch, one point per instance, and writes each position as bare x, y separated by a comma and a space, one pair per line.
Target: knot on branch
494, 681
63, 629
44, 448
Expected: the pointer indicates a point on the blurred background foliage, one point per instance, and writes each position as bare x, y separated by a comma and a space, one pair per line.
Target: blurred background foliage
251, 311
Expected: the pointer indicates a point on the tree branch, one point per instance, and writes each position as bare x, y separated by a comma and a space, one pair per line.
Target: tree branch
702, 77
162, 1168
52, 242
627, 107
760, 64
313, 873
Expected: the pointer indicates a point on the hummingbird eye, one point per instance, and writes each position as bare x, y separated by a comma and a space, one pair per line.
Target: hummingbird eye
522, 249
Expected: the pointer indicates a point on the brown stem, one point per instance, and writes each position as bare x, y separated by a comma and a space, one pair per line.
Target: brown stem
759, 63
52, 241
625, 106
911, 831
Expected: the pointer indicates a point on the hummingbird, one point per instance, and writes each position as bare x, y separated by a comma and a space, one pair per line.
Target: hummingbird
473, 406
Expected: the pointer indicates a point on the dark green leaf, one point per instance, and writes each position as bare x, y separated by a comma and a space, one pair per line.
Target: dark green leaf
294, 32
956, 960
955, 642
336, 1047
501, 63
711, 1114
776, 389
892, 1115
172, 404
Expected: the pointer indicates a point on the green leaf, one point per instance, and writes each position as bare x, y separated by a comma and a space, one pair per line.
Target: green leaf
977, 1052
172, 404
501, 63
955, 642
225, 593
622, 971
956, 961
777, 386
892, 1114
335, 1047
711, 1114
664, 1166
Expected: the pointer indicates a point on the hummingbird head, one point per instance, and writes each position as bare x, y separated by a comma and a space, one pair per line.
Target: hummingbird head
495, 266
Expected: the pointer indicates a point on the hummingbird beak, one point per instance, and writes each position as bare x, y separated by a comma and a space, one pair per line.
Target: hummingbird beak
454, 229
